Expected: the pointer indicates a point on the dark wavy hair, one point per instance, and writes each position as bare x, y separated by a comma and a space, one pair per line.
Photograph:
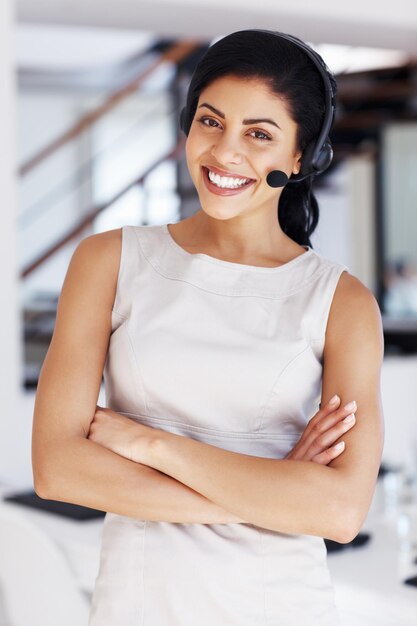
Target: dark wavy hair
291, 74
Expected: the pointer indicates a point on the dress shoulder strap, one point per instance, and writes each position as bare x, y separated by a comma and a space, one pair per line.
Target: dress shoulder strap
128, 267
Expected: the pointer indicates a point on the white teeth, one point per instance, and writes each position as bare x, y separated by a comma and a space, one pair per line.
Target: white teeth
225, 181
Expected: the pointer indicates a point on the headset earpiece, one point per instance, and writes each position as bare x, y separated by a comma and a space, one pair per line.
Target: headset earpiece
324, 157
310, 165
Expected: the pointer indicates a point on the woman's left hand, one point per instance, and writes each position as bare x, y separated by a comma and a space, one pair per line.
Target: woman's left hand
122, 434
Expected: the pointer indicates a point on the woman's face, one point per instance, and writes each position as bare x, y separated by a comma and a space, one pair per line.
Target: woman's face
230, 136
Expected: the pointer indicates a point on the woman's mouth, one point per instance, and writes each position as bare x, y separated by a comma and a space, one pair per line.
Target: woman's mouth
225, 186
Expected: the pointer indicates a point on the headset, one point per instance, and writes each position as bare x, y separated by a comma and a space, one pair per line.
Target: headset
318, 154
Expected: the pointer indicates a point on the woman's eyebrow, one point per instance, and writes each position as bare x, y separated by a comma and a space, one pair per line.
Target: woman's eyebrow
248, 121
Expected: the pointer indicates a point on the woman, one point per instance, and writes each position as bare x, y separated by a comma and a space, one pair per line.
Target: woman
219, 336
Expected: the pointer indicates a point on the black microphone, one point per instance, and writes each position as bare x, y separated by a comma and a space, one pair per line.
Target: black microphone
277, 178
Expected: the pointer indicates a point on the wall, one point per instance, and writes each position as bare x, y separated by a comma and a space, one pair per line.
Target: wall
345, 232
48, 194
399, 399
12, 426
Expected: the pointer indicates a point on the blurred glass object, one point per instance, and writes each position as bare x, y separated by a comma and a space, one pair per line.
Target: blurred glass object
399, 192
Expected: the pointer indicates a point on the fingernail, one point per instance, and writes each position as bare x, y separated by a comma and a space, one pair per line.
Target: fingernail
350, 406
349, 418
339, 446
334, 399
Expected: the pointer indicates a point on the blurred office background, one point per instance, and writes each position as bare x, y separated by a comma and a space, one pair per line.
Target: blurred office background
89, 102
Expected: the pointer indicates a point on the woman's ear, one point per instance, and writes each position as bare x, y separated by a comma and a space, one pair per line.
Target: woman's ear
297, 163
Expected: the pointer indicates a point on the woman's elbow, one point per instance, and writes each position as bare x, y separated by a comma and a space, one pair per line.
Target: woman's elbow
349, 526
47, 463
40, 489
41, 480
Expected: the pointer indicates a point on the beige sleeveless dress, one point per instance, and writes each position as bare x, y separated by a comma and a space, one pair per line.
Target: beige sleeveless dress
230, 355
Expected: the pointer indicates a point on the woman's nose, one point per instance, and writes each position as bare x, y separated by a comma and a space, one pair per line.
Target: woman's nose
227, 149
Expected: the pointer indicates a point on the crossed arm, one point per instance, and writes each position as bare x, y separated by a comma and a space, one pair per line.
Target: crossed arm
185, 480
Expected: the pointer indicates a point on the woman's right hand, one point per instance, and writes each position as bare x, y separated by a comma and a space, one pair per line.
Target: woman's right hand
325, 427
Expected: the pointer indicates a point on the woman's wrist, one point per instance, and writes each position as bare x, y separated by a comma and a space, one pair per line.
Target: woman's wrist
161, 449
154, 450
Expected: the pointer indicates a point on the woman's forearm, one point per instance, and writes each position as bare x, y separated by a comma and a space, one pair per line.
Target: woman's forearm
283, 495
82, 472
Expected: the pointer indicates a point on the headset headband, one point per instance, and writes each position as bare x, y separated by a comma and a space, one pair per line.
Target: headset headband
330, 99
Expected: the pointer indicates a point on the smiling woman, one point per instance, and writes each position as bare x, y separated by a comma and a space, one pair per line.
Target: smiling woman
231, 354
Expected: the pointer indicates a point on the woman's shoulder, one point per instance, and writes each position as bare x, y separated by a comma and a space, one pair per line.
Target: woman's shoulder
354, 309
95, 263
351, 292
101, 251
101, 244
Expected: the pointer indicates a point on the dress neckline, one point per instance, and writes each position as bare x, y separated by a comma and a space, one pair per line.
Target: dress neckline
230, 264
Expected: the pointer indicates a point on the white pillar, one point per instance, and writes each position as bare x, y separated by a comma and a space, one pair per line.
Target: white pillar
12, 423
363, 221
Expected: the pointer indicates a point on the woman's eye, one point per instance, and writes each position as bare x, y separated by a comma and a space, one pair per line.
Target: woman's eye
264, 136
207, 119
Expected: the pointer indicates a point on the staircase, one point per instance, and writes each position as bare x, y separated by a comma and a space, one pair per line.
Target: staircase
114, 179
